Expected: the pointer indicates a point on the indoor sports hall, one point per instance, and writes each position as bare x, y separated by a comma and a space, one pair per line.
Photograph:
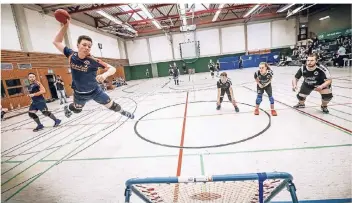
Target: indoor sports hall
182, 141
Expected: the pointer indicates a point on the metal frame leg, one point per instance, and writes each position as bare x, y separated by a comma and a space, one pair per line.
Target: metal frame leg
292, 189
128, 194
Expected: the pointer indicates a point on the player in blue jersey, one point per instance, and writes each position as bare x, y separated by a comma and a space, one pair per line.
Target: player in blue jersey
36, 91
85, 81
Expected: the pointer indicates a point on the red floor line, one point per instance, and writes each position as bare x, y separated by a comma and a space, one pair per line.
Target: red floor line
180, 154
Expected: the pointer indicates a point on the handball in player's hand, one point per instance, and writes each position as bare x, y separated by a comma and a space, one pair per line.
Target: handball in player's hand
62, 16
100, 78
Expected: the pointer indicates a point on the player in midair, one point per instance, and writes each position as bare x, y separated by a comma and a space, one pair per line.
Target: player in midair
211, 67
176, 73
316, 77
224, 85
263, 78
36, 91
85, 81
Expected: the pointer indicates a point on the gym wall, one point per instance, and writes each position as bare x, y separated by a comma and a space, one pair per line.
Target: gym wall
43, 28
340, 18
231, 40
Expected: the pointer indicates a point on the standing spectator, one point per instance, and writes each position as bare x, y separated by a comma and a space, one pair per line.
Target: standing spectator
60, 89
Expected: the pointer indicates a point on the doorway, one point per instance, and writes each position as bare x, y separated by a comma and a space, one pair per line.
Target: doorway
52, 87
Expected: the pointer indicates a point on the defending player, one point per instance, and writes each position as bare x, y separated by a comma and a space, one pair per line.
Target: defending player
36, 91
84, 75
316, 77
224, 85
263, 78
176, 73
211, 67
217, 68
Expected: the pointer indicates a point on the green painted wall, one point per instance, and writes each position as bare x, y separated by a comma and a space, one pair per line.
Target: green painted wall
127, 70
200, 65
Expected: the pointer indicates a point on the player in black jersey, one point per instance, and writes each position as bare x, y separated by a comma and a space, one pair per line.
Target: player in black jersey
217, 68
170, 71
224, 85
211, 67
316, 77
176, 73
36, 91
263, 78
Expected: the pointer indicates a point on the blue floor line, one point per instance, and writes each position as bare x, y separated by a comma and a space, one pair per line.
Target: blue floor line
348, 200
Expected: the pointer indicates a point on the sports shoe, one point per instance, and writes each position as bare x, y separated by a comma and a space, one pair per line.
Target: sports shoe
299, 105
325, 109
127, 114
237, 109
39, 127
218, 107
256, 111
68, 113
273, 112
57, 122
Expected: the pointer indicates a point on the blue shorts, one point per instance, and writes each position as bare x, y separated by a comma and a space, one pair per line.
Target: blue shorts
41, 106
97, 95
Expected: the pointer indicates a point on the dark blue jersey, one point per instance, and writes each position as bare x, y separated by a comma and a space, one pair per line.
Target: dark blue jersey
34, 88
84, 72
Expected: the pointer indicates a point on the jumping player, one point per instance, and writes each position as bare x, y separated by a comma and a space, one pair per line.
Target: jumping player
84, 75
263, 78
211, 67
224, 85
316, 77
176, 73
36, 91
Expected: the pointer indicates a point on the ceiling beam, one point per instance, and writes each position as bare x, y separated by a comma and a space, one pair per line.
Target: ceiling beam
95, 7
137, 10
195, 13
267, 15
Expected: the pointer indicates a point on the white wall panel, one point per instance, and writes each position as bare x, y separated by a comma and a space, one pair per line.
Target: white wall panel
9, 36
161, 49
259, 36
283, 33
137, 51
233, 39
177, 39
209, 42
42, 30
110, 44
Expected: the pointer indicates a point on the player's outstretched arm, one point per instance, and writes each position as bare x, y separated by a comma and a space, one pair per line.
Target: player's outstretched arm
60, 37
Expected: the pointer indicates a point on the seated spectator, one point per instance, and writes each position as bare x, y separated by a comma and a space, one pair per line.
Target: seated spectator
341, 54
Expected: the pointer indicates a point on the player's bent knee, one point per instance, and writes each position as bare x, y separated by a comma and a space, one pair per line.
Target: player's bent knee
115, 107
326, 97
32, 115
46, 113
271, 99
301, 97
75, 109
259, 99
